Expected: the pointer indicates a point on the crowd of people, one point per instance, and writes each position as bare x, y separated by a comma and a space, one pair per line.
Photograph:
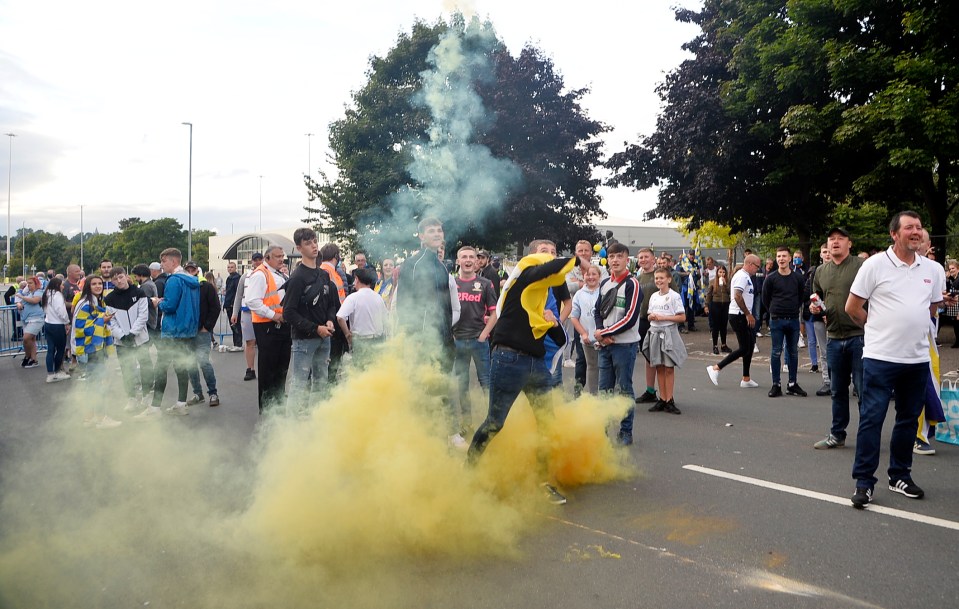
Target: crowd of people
514, 330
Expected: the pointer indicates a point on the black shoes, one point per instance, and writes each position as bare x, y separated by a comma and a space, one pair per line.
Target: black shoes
795, 389
647, 398
659, 406
715, 350
862, 497
775, 391
725, 349
826, 389
906, 487
814, 368
250, 375
670, 407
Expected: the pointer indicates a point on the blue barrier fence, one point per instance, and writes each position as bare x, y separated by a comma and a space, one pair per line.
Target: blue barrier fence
11, 333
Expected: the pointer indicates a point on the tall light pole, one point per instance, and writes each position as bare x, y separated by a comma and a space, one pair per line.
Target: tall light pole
189, 208
9, 183
309, 153
261, 204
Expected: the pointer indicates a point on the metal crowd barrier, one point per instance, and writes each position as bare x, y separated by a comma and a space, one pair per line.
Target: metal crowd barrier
11, 333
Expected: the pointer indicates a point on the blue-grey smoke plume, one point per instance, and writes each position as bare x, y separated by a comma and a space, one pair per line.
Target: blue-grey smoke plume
457, 180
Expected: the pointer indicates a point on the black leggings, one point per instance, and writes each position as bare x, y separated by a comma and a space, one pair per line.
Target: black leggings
747, 340
718, 320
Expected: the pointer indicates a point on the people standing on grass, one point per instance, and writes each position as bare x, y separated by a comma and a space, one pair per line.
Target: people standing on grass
56, 319
93, 344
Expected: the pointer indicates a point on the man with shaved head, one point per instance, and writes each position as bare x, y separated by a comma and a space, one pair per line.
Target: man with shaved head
742, 321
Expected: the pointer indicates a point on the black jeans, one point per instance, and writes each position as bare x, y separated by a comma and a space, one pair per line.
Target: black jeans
274, 343
234, 327
718, 320
747, 340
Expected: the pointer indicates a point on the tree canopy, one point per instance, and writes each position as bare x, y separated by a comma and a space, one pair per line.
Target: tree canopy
451, 124
789, 109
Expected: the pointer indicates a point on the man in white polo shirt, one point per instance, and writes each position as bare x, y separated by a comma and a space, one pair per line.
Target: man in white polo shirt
903, 290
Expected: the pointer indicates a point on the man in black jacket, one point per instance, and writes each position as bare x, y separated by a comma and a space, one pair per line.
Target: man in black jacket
129, 327
310, 307
783, 298
202, 342
229, 295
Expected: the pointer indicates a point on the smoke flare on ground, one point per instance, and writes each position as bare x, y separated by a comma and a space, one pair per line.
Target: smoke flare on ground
320, 511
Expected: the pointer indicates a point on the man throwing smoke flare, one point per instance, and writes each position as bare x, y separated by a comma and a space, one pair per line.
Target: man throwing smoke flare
518, 361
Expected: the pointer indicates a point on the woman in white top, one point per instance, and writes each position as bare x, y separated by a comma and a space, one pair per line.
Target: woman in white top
55, 322
584, 322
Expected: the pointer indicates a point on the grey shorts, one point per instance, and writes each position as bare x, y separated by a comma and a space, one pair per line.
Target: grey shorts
246, 325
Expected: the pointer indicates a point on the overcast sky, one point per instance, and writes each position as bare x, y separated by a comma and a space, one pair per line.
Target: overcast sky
96, 94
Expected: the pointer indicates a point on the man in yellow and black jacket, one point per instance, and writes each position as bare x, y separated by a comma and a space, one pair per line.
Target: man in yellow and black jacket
518, 361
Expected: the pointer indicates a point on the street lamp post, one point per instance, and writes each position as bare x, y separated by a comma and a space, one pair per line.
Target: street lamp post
189, 213
9, 183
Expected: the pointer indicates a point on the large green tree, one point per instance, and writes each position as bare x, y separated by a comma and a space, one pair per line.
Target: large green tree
788, 109
520, 122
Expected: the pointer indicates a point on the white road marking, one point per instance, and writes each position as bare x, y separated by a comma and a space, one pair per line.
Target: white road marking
793, 490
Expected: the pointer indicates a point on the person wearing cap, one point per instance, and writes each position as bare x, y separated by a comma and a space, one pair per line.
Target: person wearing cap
486, 270
844, 337
265, 290
209, 314
241, 314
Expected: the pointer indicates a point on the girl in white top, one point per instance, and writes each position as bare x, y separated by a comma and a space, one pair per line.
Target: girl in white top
56, 320
584, 300
663, 346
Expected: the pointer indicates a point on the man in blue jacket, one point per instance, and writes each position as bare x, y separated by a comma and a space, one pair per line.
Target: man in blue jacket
180, 306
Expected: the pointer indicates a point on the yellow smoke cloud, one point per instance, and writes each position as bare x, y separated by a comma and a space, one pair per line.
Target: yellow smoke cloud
173, 514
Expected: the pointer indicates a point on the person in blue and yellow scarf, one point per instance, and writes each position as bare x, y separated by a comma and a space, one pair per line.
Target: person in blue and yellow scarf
92, 344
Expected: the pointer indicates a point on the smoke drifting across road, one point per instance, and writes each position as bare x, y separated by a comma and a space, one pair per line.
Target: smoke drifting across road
357, 506
457, 180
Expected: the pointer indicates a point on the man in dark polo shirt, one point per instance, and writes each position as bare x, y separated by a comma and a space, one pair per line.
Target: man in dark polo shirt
782, 296
844, 338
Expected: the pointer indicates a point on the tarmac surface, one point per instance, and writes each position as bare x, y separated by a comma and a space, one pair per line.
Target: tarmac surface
732, 507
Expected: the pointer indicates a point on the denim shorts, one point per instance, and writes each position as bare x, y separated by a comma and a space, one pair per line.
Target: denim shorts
33, 326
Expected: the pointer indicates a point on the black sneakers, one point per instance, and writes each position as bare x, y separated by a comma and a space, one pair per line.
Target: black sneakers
906, 487
775, 391
795, 389
862, 497
250, 375
825, 390
659, 406
647, 398
670, 407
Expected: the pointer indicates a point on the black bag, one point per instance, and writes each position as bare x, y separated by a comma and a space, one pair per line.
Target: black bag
608, 301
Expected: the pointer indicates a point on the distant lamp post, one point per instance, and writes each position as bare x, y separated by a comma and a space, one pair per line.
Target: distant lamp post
189, 208
9, 183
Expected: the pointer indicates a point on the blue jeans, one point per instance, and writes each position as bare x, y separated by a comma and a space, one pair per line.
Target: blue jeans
310, 366
616, 364
510, 374
201, 351
788, 330
811, 341
844, 357
468, 349
879, 380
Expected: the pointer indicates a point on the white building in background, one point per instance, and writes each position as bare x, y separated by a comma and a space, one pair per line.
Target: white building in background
240, 247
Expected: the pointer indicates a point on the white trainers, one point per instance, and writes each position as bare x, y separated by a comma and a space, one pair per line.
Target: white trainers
748, 384
458, 442
133, 405
713, 375
149, 413
180, 409
60, 375
755, 348
107, 423
802, 343
52, 378
234, 349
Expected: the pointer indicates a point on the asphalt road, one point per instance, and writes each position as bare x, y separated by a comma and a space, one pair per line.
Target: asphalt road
679, 534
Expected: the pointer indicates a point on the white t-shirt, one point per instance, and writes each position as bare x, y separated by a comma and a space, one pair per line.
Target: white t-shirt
366, 313
743, 283
584, 303
899, 295
669, 303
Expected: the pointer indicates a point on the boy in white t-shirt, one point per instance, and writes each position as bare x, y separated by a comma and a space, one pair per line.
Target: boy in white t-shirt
366, 313
663, 346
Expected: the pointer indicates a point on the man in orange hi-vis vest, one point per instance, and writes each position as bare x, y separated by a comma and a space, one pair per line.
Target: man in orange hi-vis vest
264, 293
